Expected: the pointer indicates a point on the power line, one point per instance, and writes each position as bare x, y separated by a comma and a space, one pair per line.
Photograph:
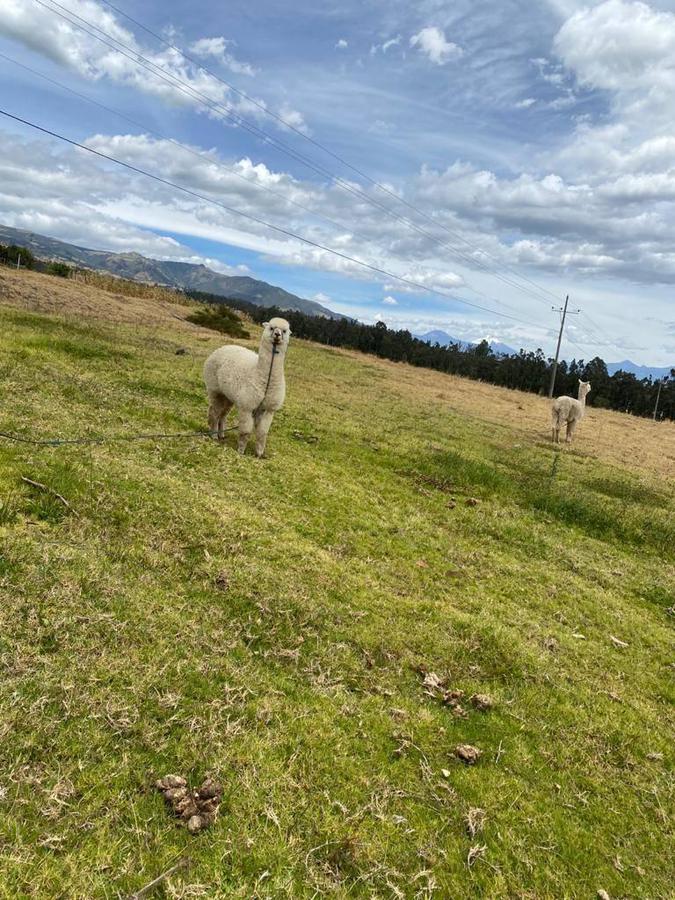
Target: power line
177, 83
286, 232
316, 143
596, 332
593, 323
161, 73
203, 156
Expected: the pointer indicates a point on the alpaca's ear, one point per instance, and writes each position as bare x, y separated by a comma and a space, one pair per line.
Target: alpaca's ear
265, 324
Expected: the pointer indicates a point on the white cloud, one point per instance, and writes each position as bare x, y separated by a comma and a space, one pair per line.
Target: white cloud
293, 117
442, 281
43, 31
562, 227
526, 103
620, 45
216, 47
390, 301
180, 83
432, 42
342, 44
387, 45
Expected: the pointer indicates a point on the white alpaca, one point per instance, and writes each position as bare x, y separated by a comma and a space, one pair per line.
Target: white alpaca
568, 411
253, 382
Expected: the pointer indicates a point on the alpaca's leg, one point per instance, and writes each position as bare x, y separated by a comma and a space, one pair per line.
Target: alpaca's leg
555, 428
245, 428
262, 427
227, 406
217, 403
571, 425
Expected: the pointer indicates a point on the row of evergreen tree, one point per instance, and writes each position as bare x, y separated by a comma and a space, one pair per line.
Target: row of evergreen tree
525, 371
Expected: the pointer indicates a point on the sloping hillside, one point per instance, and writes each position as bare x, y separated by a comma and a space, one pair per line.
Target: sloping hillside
188, 276
296, 627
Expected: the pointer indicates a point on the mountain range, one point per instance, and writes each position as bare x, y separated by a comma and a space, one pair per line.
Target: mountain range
189, 276
626, 365
444, 339
198, 277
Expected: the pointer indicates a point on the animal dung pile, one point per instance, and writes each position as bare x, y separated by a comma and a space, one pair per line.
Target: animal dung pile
468, 754
196, 809
481, 702
438, 688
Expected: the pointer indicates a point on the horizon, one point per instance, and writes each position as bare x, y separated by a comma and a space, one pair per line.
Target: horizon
492, 341
533, 150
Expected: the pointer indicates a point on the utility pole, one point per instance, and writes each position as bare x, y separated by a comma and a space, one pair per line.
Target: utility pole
662, 381
562, 310
18, 261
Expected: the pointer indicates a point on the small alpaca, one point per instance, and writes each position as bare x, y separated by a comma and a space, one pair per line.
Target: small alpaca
568, 411
253, 382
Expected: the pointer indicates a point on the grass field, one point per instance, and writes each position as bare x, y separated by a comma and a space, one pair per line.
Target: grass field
272, 623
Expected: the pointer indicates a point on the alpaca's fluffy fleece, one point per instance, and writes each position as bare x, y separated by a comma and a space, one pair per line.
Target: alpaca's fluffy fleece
569, 412
253, 382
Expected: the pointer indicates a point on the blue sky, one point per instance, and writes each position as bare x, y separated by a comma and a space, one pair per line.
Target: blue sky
532, 147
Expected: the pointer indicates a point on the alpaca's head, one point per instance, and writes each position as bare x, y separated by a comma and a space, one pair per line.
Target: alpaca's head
584, 388
276, 332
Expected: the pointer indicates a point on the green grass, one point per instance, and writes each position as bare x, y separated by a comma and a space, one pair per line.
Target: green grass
352, 559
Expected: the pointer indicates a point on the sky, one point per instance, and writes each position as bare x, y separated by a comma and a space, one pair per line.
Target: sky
486, 157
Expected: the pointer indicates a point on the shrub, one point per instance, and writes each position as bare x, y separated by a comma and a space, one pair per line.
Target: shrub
60, 269
219, 317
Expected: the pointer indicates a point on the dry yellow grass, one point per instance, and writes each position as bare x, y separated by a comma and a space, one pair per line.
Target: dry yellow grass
613, 437
71, 298
126, 287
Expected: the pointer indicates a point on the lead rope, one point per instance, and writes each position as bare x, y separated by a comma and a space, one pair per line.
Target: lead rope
267, 386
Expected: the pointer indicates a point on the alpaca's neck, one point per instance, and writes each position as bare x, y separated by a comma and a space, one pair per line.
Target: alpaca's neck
582, 396
270, 362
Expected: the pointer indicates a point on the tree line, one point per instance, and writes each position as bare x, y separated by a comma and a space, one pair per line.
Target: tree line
525, 371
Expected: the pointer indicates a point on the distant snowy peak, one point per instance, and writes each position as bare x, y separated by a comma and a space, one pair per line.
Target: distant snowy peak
498, 347
444, 339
